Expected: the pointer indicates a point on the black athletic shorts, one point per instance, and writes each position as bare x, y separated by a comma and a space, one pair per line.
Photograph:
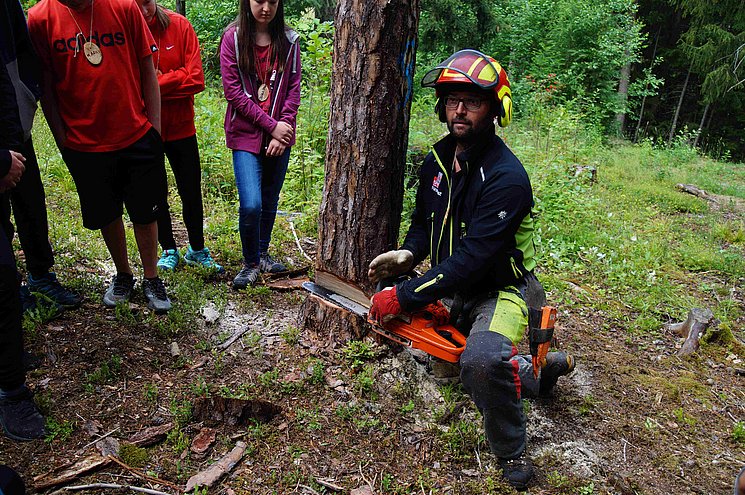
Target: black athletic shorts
134, 176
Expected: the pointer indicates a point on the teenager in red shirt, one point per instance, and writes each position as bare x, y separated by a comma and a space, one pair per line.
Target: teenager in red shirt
179, 69
102, 102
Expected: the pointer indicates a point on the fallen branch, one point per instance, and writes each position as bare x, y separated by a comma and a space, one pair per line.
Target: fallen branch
699, 319
329, 485
214, 472
236, 335
70, 472
144, 476
297, 241
114, 486
696, 191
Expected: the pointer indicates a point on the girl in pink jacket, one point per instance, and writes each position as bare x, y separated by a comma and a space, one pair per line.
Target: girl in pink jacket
260, 64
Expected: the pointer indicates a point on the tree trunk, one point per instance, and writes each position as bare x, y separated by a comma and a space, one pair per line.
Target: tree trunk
644, 98
372, 83
677, 109
623, 95
181, 7
701, 126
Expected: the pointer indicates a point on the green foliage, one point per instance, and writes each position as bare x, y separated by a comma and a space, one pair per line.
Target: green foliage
357, 352
106, 373
738, 432
58, 430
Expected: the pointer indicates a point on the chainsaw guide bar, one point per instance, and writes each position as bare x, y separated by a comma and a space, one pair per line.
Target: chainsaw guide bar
417, 330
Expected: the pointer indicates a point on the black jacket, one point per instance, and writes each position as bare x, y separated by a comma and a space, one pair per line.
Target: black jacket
11, 131
475, 225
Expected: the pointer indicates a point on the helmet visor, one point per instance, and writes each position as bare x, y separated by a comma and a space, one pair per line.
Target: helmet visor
465, 66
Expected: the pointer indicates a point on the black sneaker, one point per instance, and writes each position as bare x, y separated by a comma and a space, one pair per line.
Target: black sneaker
517, 472
120, 289
270, 265
557, 364
20, 418
49, 286
43, 308
155, 293
248, 275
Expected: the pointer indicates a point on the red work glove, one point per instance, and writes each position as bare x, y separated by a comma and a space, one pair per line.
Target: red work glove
385, 305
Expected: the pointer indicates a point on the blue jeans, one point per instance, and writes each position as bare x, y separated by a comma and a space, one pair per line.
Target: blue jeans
259, 180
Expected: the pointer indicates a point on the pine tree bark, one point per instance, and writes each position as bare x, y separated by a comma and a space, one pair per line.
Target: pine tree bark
372, 83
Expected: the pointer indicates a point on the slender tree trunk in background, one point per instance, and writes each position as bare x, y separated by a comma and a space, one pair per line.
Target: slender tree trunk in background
701, 126
677, 109
181, 7
372, 83
644, 98
623, 95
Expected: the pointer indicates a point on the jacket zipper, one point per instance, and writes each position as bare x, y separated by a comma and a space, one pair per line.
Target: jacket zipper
429, 283
436, 255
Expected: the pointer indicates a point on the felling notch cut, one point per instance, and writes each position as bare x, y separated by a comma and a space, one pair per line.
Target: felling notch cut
422, 329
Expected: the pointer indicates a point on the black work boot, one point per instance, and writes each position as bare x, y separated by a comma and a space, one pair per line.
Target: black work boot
557, 364
517, 472
20, 418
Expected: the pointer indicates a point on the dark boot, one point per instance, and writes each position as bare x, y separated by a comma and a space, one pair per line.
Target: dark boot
517, 472
19, 416
557, 364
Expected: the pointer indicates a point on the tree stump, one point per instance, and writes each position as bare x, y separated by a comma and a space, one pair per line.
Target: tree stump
372, 83
699, 319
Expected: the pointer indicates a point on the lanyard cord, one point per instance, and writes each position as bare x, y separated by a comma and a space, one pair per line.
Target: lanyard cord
80, 31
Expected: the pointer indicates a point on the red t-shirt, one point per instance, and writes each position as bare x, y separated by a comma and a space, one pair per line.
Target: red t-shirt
101, 105
181, 75
263, 73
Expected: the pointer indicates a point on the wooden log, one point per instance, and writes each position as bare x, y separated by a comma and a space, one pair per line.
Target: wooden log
696, 191
699, 319
212, 474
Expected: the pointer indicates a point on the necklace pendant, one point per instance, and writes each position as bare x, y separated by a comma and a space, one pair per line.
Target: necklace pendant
92, 52
263, 93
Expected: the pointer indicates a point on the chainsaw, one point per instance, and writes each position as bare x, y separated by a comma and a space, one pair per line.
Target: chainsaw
421, 329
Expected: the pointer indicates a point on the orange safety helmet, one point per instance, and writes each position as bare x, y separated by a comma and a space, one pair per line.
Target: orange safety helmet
476, 68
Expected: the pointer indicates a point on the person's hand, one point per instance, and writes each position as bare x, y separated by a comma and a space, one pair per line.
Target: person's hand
275, 148
390, 264
385, 305
283, 133
11, 179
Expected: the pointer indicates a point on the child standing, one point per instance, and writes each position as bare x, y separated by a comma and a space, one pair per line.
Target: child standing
180, 76
260, 63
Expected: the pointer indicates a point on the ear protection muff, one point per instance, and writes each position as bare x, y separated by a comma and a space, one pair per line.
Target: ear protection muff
505, 106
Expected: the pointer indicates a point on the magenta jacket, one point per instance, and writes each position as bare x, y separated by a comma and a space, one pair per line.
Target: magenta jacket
245, 122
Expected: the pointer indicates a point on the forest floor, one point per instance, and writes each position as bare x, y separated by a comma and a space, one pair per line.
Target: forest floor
632, 419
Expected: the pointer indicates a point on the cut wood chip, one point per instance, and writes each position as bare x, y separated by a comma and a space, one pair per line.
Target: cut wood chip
234, 411
286, 284
214, 472
151, 436
204, 440
70, 471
